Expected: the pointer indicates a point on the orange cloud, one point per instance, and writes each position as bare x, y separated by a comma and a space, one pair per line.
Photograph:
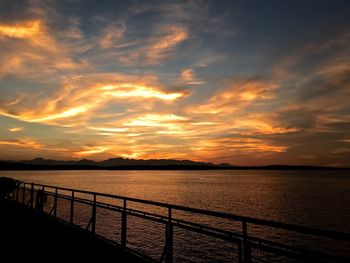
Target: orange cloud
26, 29
174, 35
158, 47
37, 52
33, 31
109, 130
228, 147
16, 129
202, 148
128, 90
42, 117
61, 115
161, 124
248, 125
90, 150
237, 96
112, 35
25, 143
73, 104
188, 76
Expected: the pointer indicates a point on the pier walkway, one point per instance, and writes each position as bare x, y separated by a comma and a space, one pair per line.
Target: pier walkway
26, 234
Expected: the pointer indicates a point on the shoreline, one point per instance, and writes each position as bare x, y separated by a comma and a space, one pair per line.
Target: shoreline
34, 167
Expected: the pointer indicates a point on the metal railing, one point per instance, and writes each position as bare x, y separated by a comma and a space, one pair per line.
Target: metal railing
162, 232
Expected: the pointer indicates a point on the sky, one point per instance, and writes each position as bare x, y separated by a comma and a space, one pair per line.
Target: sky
240, 82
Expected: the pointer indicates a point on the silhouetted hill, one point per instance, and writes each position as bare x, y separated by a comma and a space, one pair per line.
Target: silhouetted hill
112, 163
133, 164
42, 161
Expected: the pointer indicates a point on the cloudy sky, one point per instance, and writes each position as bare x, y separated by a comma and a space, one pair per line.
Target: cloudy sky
244, 82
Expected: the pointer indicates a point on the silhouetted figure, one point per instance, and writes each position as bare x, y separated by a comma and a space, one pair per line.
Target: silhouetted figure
7, 186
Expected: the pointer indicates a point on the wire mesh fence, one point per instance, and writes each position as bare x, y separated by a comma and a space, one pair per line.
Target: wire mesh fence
63, 207
49, 204
108, 223
167, 233
146, 236
82, 215
261, 255
193, 246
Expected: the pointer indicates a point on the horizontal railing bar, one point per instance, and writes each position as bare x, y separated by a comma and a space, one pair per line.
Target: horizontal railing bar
209, 233
262, 222
184, 222
147, 213
152, 218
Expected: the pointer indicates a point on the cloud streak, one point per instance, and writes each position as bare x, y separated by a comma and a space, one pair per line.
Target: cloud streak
26, 29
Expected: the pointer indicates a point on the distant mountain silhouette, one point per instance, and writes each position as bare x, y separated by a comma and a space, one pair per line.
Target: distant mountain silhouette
134, 164
112, 163
42, 161
115, 162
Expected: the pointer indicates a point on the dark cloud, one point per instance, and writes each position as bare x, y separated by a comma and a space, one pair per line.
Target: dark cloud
11, 11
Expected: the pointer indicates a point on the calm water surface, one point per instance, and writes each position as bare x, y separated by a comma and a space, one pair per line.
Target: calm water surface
313, 198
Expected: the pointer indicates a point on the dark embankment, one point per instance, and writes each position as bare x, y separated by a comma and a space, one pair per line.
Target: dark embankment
142, 165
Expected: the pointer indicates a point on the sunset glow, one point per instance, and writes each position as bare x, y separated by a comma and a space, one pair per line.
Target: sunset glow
132, 90
188, 80
21, 30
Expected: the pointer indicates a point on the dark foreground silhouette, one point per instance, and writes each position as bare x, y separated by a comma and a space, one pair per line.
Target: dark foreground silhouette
27, 234
7, 186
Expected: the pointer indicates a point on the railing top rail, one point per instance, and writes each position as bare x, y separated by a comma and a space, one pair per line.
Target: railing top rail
262, 222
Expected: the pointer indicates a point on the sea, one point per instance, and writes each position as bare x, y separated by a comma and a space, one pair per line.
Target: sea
319, 199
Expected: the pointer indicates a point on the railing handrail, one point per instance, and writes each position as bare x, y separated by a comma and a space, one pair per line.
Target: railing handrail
263, 222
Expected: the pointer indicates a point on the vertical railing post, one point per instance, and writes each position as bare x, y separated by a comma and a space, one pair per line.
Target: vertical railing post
55, 204
169, 239
24, 193
72, 209
17, 191
41, 199
32, 196
246, 246
124, 226
93, 222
